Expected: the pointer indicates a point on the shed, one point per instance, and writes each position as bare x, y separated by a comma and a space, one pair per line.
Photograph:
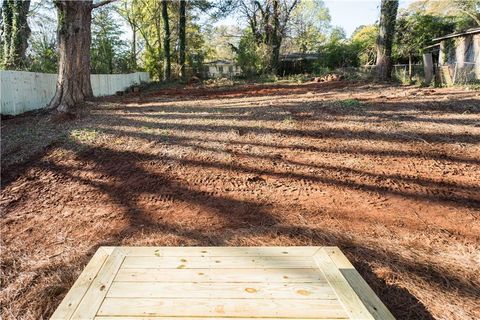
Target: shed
297, 62
454, 58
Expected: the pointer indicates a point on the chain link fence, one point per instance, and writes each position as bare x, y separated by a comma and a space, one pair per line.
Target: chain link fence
452, 74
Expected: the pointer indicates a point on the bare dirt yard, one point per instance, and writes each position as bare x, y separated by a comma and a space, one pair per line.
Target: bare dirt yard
391, 175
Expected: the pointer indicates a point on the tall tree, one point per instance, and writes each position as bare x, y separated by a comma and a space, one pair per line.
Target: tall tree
74, 39
166, 42
466, 11
388, 17
310, 22
15, 32
182, 37
129, 11
107, 46
363, 40
268, 21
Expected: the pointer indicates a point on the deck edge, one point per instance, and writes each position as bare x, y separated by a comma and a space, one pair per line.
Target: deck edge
80, 287
349, 299
366, 294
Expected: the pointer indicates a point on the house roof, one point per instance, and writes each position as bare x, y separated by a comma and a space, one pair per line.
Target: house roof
299, 56
221, 62
433, 46
458, 34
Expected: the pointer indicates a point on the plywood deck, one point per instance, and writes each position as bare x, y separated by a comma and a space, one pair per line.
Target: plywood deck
139, 283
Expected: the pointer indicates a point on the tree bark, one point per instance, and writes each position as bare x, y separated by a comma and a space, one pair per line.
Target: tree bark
275, 38
166, 42
410, 68
388, 17
158, 28
15, 33
268, 21
182, 38
74, 39
7, 17
134, 48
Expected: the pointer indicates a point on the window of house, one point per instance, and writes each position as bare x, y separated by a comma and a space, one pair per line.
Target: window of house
230, 69
220, 69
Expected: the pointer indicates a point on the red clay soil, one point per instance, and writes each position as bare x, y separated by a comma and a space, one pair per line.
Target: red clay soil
389, 174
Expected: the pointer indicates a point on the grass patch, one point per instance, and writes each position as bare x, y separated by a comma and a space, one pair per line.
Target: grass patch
288, 121
84, 135
267, 78
350, 103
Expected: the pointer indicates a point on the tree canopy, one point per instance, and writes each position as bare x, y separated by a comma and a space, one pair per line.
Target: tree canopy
171, 39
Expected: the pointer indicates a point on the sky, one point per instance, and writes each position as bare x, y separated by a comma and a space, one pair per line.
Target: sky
349, 14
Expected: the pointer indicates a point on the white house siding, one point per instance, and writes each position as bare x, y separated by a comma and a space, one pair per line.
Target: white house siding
214, 70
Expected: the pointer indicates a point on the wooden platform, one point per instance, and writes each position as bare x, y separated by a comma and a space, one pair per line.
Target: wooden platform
139, 283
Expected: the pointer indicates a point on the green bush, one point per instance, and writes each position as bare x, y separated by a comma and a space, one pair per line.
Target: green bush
268, 77
349, 103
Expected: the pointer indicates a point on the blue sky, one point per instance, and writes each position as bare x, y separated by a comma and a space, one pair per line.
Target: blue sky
349, 14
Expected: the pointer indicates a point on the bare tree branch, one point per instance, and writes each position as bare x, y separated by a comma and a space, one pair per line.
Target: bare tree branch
102, 3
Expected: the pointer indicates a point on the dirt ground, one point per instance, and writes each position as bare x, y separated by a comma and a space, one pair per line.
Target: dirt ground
391, 175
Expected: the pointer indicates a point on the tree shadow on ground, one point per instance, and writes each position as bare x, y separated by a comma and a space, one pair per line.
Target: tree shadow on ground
128, 179
133, 180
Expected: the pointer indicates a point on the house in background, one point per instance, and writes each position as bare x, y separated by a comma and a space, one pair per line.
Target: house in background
454, 58
297, 63
221, 68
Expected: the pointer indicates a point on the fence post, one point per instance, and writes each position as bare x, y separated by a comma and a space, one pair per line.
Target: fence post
455, 73
428, 67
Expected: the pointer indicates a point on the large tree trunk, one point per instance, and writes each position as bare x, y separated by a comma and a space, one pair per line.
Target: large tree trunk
7, 18
134, 48
166, 42
15, 33
74, 38
275, 38
388, 17
158, 28
182, 38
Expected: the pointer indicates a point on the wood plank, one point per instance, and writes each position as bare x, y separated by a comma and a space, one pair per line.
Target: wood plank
373, 303
93, 298
153, 283
221, 290
203, 318
315, 309
187, 262
76, 293
347, 296
220, 251
221, 275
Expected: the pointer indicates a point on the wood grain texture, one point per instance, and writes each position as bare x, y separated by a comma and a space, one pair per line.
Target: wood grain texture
80, 287
220, 251
88, 306
347, 296
187, 262
202, 318
314, 309
218, 290
221, 275
373, 303
153, 283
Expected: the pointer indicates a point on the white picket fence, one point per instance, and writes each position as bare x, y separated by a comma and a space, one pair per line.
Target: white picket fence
22, 91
